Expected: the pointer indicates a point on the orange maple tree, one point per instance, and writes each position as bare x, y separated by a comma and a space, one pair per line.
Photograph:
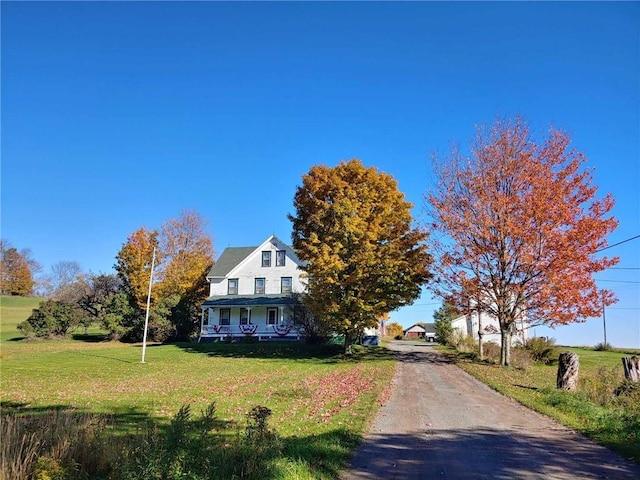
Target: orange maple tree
519, 229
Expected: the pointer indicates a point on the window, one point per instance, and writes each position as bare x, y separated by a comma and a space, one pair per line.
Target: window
225, 316
259, 285
266, 259
285, 285
245, 316
281, 255
272, 316
232, 286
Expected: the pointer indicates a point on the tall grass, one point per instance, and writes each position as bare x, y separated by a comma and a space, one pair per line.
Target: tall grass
66, 445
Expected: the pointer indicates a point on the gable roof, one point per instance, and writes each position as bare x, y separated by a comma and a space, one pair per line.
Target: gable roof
232, 257
415, 328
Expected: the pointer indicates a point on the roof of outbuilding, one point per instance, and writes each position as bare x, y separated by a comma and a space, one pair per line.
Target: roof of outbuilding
229, 259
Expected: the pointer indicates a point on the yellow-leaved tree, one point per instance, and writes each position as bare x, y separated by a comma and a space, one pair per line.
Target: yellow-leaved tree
184, 254
353, 228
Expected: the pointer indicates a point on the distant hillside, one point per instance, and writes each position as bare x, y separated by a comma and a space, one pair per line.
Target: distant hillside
14, 310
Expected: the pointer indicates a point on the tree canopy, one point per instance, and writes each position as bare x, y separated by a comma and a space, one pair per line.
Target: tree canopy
363, 258
519, 228
184, 254
16, 276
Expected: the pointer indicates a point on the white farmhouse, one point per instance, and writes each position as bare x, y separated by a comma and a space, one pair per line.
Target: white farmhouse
251, 293
474, 322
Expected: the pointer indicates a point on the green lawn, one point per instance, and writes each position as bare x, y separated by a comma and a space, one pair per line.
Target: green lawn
321, 401
14, 310
594, 410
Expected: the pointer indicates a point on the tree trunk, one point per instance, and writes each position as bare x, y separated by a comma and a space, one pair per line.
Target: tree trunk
568, 368
347, 344
631, 368
480, 344
505, 345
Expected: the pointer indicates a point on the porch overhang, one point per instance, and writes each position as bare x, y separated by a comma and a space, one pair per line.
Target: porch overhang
250, 301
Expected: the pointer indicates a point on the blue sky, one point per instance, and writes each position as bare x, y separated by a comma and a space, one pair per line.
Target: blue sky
117, 115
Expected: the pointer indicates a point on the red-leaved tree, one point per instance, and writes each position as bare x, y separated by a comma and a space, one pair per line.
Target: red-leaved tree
516, 227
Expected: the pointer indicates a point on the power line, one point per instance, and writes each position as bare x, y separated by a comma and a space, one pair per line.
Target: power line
619, 243
617, 281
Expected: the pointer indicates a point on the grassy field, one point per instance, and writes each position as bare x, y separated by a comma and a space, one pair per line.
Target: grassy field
321, 402
14, 310
594, 410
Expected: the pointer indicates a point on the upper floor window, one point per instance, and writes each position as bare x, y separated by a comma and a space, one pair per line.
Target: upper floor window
285, 285
232, 286
281, 255
266, 259
245, 316
225, 316
259, 285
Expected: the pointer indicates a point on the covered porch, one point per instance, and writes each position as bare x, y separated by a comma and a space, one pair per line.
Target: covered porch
266, 317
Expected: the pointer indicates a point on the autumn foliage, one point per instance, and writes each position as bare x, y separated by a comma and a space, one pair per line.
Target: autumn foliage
16, 277
519, 227
184, 254
353, 228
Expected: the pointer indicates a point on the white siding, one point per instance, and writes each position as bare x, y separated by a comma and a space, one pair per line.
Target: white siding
468, 325
251, 268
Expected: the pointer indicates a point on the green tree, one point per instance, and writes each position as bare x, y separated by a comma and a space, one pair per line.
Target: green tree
52, 319
120, 318
363, 258
443, 317
16, 277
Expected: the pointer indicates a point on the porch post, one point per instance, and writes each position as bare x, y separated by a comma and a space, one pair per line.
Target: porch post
201, 324
281, 310
249, 315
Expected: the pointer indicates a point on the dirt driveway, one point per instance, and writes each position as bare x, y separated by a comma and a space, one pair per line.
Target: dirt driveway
441, 423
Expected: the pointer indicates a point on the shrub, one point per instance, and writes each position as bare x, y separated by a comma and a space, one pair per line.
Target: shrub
52, 319
541, 349
463, 343
603, 347
491, 352
521, 358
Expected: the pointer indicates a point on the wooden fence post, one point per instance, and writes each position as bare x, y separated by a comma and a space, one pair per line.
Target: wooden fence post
631, 368
568, 367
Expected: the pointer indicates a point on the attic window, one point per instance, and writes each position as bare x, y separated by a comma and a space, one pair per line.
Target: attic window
266, 259
280, 258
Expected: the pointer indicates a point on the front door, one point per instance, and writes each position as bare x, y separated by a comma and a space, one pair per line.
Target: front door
272, 316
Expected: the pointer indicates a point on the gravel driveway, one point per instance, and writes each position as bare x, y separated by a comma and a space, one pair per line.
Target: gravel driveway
442, 423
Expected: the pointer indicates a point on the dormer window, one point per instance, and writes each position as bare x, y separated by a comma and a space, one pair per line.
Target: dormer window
266, 259
281, 255
232, 286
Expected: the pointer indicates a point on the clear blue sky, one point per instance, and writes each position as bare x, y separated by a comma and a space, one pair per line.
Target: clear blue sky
118, 115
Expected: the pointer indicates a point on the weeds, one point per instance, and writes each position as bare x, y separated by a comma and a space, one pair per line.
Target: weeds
541, 349
64, 445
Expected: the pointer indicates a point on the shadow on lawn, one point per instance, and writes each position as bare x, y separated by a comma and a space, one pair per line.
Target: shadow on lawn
286, 350
126, 416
